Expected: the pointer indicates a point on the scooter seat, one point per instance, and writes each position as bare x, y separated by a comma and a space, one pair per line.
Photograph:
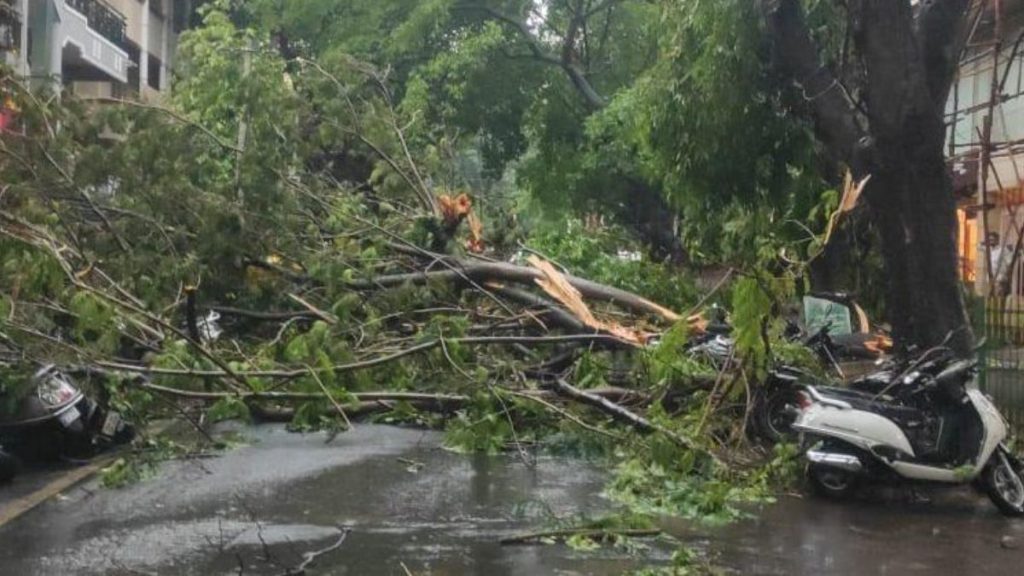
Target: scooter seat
922, 428
882, 405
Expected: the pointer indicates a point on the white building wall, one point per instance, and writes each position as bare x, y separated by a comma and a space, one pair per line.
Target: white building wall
973, 93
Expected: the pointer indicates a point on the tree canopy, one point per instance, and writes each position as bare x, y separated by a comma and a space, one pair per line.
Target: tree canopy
588, 107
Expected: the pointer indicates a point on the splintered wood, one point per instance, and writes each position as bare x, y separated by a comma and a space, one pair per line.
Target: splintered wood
851, 194
558, 287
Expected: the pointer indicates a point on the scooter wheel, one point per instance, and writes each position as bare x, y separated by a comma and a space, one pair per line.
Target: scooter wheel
832, 482
8, 466
773, 418
1004, 485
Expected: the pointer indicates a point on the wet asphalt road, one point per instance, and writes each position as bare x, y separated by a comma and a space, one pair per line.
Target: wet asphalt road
259, 507
262, 505
957, 533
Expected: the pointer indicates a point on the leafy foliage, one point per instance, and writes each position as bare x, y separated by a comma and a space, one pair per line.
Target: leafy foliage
300, 153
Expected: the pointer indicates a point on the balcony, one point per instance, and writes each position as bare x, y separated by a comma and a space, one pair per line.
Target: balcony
10, 27
94, 39
102, 18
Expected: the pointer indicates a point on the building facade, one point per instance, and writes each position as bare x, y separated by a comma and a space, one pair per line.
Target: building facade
985, 147
97, 48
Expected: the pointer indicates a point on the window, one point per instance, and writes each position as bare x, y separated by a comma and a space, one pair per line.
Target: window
154, 72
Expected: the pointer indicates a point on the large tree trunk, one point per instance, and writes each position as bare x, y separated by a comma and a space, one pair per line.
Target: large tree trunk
896, 136
911, 201
828, 269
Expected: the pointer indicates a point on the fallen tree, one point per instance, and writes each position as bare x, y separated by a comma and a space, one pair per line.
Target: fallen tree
337, 301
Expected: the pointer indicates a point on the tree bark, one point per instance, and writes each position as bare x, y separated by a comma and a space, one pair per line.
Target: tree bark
827, 270
899, 141
911, 193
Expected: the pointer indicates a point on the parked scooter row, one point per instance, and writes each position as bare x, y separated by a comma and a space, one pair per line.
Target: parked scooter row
917, 418
920, 421
772, 415
54, 420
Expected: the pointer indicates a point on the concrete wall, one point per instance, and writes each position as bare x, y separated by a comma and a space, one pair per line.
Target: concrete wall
132, 11
93, 89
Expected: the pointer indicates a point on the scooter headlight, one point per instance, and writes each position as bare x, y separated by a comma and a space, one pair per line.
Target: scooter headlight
54, 390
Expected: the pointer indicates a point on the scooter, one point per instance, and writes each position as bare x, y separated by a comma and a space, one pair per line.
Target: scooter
932, 429
772, 417
55, 420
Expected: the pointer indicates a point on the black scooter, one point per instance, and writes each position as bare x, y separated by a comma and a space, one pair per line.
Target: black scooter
56, 421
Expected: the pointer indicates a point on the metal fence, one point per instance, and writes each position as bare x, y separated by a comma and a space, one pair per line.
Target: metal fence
1002, 358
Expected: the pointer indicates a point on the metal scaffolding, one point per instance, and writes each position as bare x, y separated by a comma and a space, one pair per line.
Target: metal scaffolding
990, 55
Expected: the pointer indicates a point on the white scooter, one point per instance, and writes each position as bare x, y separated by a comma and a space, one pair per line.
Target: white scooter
941, 429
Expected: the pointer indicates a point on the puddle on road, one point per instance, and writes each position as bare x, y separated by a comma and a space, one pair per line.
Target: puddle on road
262, 506
880, 532
447, 517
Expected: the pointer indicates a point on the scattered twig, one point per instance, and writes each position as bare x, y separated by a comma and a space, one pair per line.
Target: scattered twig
138, 104
592, 533
309, 557
567, 415
713, 396
714, 289
612, 394
260, 315
504, 407
326, 317
621, 414
337, 406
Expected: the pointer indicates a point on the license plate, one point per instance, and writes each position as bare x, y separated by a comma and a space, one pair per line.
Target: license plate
69, 416
111, 424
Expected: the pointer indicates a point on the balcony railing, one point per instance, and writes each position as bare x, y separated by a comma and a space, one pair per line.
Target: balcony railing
102, 18
10, 26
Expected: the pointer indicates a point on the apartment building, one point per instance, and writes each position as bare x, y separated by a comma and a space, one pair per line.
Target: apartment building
12, 33
985, 147
99, 48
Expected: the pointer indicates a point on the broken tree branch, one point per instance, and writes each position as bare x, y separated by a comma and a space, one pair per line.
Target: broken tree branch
327, 393
353, 366
567, 415
265, 316
611, 394
500, 271
619, 413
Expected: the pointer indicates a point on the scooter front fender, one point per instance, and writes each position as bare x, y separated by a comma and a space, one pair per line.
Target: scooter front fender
993, 422
863, 429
